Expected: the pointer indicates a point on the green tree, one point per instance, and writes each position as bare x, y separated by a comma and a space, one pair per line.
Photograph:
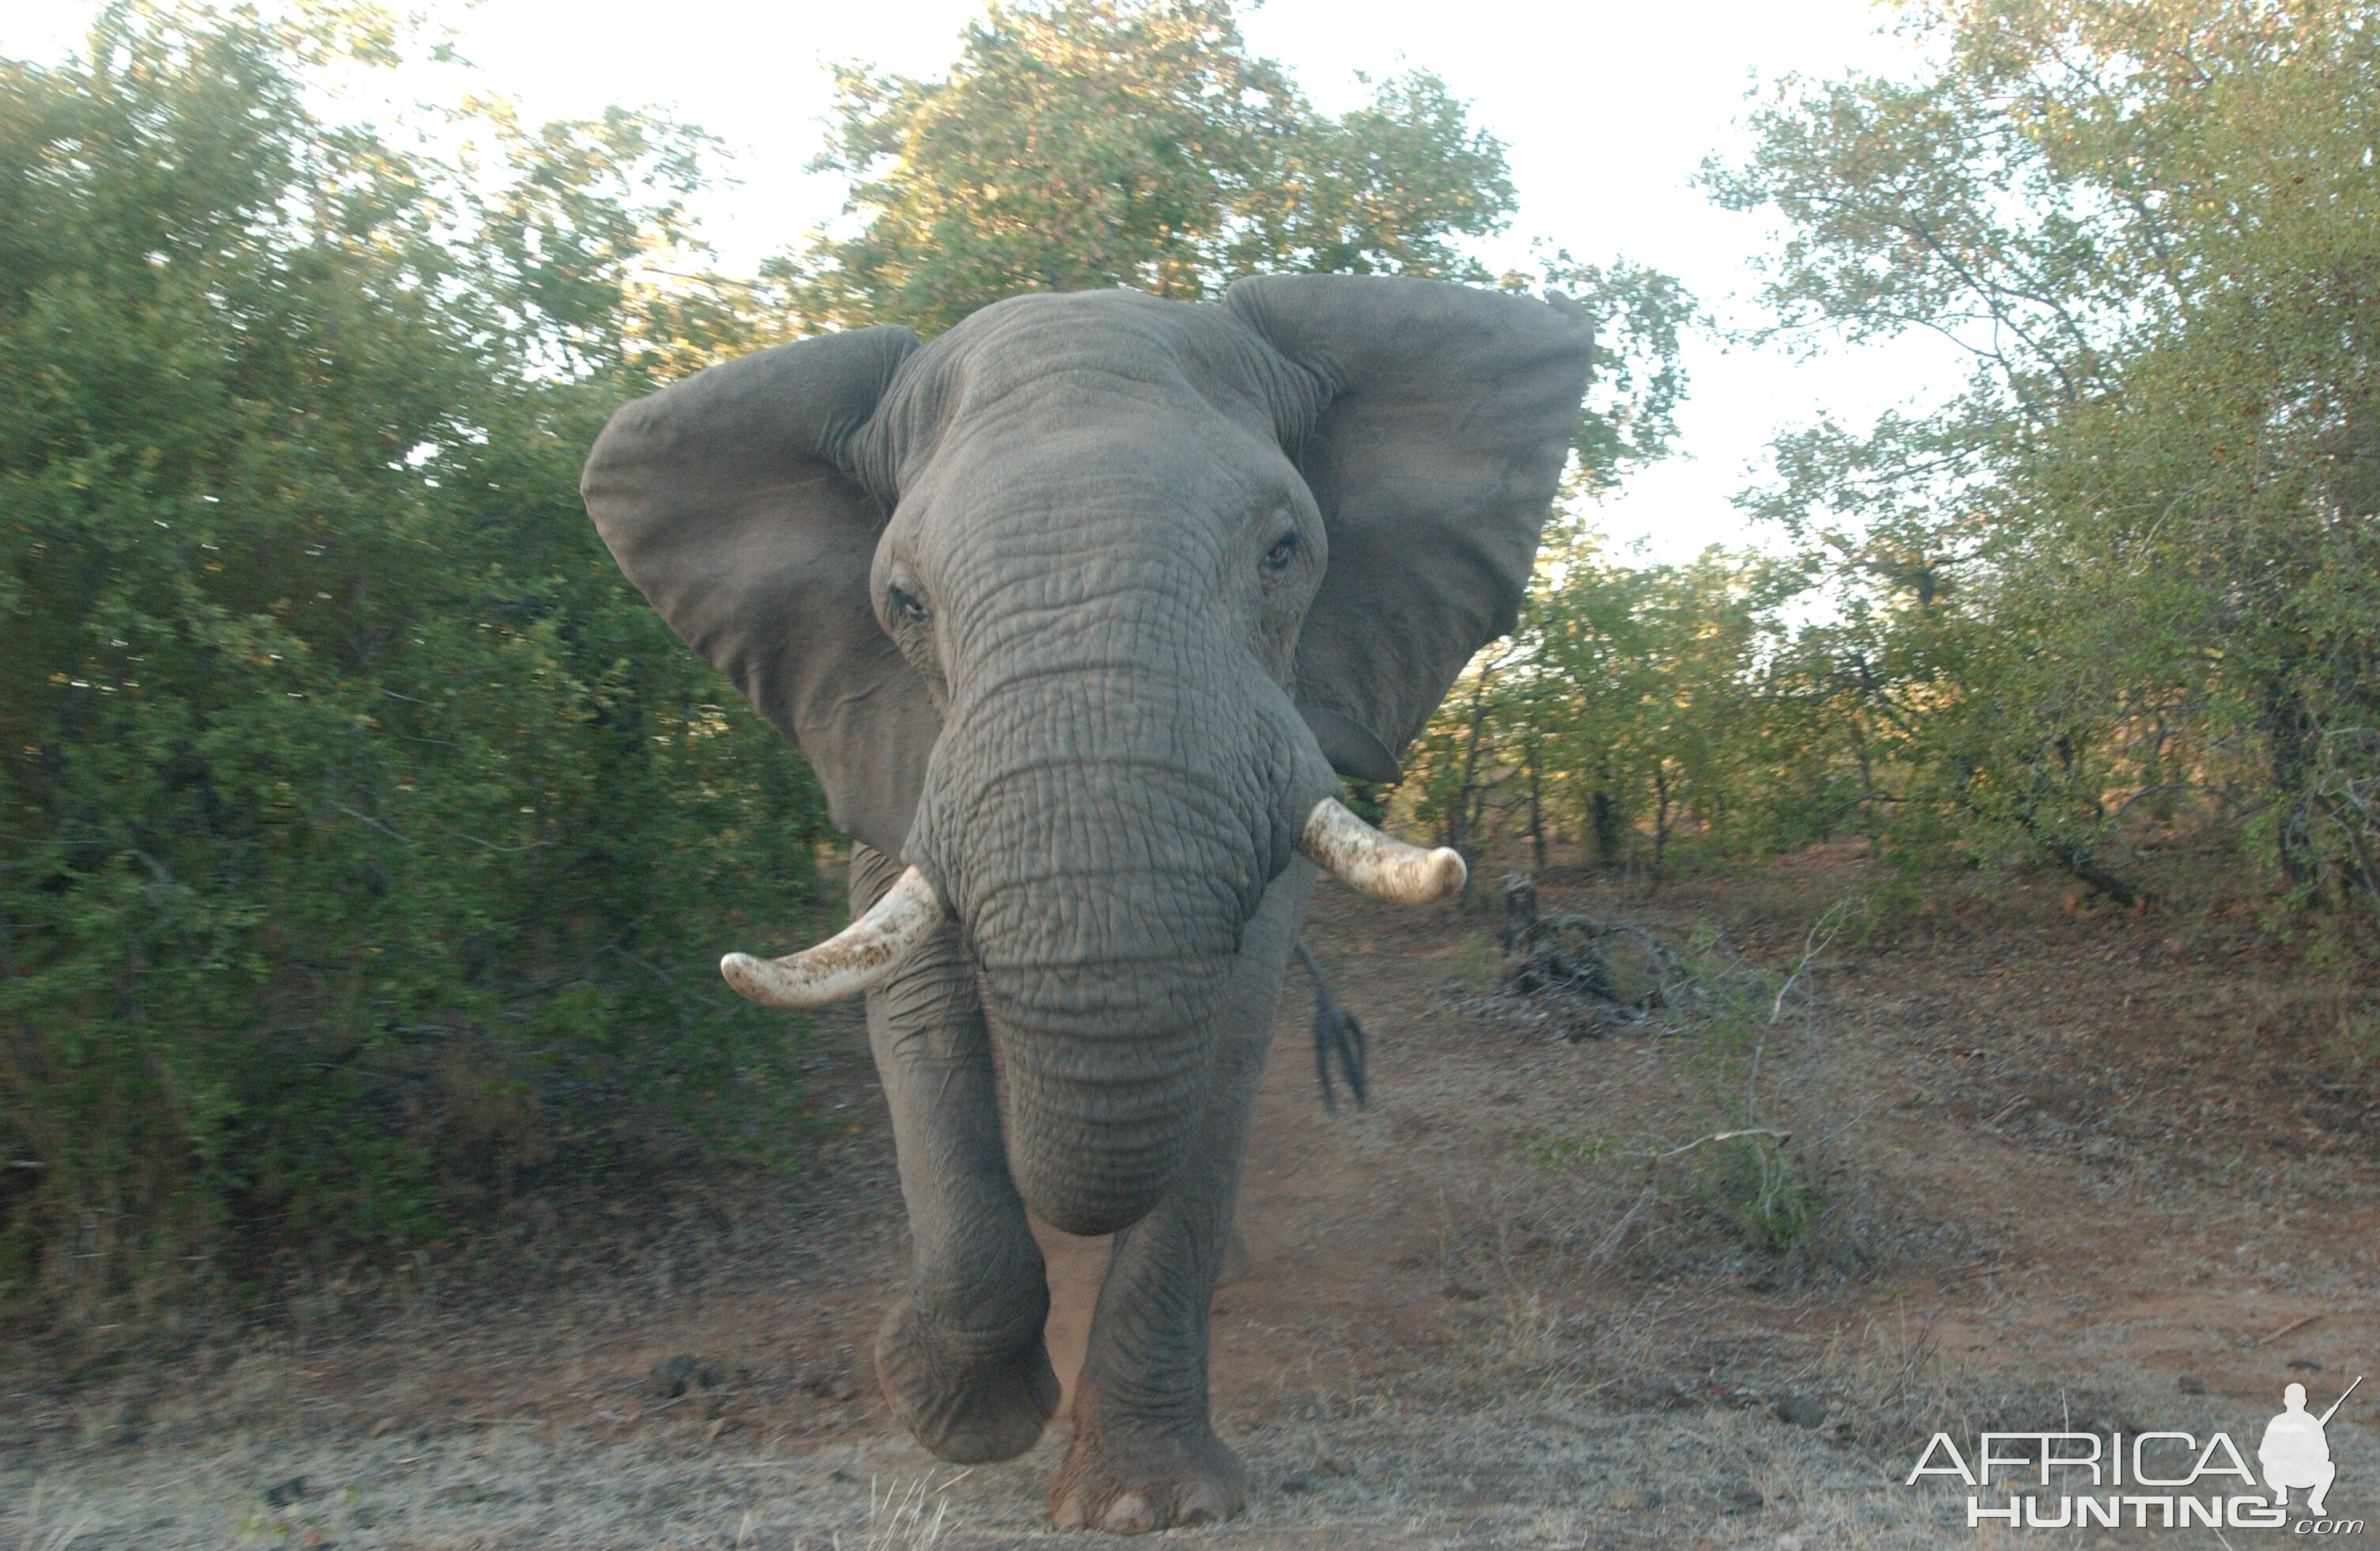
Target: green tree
1637, 706
1092, 143
1130, 142
366, 838
2132, 564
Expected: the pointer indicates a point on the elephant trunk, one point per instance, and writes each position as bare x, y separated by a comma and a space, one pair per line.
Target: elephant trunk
1103, 883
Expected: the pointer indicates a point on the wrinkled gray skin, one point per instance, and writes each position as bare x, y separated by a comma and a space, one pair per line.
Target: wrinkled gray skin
1077, 608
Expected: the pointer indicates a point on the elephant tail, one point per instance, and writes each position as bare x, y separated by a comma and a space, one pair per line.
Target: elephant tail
1337, 1036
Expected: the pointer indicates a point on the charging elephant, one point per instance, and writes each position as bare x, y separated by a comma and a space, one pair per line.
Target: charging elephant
1080, 611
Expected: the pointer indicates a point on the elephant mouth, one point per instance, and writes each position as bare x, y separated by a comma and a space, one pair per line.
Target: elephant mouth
868, 952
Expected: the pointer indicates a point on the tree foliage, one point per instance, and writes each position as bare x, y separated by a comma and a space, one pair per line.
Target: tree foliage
1635, 708
2134, 556
366, 838
2120, 589
1108, 143
1090, 143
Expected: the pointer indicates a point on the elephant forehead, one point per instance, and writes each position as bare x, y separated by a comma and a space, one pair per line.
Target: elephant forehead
1079, 481
1039, 367
1118, 471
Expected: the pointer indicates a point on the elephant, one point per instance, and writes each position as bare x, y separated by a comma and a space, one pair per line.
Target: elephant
1080, 611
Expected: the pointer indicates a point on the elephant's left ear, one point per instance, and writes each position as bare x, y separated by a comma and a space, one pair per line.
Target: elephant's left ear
1448, 412
730, 499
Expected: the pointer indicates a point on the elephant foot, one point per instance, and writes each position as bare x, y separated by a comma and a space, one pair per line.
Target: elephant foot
1127, 1482
967, 1408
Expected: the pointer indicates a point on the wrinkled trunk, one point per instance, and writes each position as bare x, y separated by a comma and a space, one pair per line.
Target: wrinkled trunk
1104, 840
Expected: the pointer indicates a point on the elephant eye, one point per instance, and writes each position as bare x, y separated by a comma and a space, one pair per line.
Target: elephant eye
1279, 556
905, 607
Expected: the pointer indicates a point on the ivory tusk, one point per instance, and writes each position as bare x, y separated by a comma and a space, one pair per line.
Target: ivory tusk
1343, 845
851, 961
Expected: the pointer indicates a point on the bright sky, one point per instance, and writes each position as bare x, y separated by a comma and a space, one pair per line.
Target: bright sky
1608, 108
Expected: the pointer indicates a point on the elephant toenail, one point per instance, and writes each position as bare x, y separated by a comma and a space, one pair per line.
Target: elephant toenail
1202, 1506
1129, 1514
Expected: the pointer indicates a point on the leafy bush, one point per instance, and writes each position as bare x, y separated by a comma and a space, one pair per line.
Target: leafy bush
2120, 593
1748, 1066
2126, 579
366, 840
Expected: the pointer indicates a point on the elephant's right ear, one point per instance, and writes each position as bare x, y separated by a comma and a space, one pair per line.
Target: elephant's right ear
727, 499
1446, 414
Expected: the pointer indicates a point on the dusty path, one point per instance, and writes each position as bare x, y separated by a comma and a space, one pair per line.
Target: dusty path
2070, 1163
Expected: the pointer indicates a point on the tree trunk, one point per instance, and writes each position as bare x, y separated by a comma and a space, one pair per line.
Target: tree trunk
1660, 816
1603, 818
1537, 811
1459, 813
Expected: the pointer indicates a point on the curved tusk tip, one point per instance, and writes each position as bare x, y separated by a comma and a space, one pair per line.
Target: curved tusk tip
1448, 873
736, 970
853, 960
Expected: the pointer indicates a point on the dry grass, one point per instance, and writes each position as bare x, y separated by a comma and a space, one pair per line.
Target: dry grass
1457, 1459
1547, 1466
48, 1526
911, 1518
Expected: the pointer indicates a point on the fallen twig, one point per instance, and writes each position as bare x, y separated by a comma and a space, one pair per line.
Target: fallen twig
1717, 1136
2293, 1325
2020, 1102
1811, 946
1611, 1241
1972, 1272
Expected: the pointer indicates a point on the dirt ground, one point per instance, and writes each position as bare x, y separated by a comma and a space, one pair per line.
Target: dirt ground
2047, 1168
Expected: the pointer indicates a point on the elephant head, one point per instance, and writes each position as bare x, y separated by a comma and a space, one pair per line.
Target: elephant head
1081, 609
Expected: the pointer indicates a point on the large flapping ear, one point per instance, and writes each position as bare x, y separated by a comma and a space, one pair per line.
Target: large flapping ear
1447, 415
726, 499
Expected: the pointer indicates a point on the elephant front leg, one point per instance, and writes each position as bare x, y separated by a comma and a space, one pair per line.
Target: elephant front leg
1145, 1454
961, 1355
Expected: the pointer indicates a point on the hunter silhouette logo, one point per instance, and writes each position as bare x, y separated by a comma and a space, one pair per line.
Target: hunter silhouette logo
2148, 1480
2296, 1452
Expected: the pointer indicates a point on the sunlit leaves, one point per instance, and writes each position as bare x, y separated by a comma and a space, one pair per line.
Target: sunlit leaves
1641, 707
1130, 142
1639, 378
2135, 556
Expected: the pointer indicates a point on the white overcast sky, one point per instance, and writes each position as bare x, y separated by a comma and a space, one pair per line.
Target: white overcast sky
1607, 109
